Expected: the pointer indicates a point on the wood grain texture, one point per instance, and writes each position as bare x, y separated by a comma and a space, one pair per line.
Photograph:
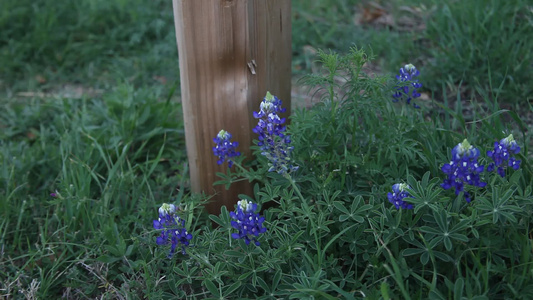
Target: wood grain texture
230, 53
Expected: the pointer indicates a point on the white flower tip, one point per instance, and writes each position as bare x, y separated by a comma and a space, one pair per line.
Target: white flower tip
246, 206
167, 209
269, 97
509, 140
409, 67
464, 147
402, 186
222, 134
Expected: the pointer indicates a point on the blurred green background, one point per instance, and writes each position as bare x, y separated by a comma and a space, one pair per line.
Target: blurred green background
97, 43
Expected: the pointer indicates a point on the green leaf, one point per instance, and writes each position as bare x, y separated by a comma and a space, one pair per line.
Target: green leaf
463, 224
262, 268
384, 288
509, 216
129, 250
364, 208
340, 206
460, 237
211, 287
358, 219
108, 259
431, 230
435, 241
500, 201
515, 178
343, 218
425, 179
264, 285
244, 276
448, 243
346, 295
413, 251
442, 220
228, 292
458, 288
424, 258
442, 256
475, 233
434, 294
276, 279
355, 204
336, 237
217, 220
183, 270
233, 253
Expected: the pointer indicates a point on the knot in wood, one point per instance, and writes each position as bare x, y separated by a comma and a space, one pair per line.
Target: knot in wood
228, 3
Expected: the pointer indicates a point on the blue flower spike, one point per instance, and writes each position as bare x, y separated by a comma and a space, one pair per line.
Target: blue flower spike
172, 229
463, 169
248, 223
399, 193
503, 156
274, 143
407, 92
225, 149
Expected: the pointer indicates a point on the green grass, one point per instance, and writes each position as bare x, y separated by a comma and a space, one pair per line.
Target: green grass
477, 43
94, 43
114, 155
110, 160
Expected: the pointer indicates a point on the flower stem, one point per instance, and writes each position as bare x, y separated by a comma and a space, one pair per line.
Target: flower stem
307, 211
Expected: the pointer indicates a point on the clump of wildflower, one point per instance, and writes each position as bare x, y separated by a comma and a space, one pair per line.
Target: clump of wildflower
407, 85
274, 143
249, 224
502, 155
172, 229
398, 195
225, 149
463, 168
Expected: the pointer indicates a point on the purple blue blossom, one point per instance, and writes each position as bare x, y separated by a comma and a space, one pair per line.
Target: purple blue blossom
225, 149
398, 195
407, 87
273, 142
248, 223
463, 169
503, 157
172, 229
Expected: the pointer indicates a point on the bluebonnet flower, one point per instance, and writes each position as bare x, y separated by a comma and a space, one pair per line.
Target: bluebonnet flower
463, 168
172, 229
407, 85
502, 155
249, 224
398, 194
273, 141
225, 149
56, 194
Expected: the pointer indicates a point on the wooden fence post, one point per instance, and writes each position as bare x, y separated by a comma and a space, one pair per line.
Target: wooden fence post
230, 53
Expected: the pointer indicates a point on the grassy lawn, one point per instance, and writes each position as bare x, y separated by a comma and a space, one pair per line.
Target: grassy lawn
91, 114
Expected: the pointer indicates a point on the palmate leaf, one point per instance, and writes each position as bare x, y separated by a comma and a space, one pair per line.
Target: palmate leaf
425, 193
498, 207
224, 220
357, 211
445, 234
424, 252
